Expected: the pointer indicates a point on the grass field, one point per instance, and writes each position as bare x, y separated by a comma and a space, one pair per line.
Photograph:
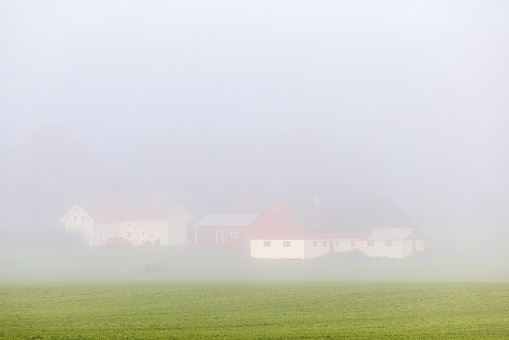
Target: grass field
178, 292
277, 310
100, 264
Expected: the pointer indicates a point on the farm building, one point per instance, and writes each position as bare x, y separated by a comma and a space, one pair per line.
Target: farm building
231, 230
159, 225
392, 242
304, 232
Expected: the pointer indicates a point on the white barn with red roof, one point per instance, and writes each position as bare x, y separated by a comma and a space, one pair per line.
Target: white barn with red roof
158, 225
278, 234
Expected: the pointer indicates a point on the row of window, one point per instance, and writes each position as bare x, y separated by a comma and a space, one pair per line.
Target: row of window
315, 243
129, 234
326, 243
388, 243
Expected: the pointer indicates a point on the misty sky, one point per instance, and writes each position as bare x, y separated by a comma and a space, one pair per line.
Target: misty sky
395, 98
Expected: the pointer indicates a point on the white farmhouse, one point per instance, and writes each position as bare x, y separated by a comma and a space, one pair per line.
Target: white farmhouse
158, 225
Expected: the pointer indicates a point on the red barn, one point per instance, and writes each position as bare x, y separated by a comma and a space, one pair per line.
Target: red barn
231, 230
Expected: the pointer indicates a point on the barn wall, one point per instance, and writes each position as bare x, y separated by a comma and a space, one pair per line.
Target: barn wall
399, 248
222, 236
204, 236
316, 248
344, 245
277, 249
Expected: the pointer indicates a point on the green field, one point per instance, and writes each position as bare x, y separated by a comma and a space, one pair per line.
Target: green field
162, 264
277, 310
179, 292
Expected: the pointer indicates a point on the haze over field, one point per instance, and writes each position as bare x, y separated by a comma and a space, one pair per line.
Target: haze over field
223, 106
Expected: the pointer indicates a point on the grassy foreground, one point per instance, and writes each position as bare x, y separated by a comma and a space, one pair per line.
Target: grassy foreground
264, 310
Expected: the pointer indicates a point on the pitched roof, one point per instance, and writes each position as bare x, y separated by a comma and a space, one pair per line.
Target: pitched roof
337, 235
332, 219
276, 222
130, 213
225, 220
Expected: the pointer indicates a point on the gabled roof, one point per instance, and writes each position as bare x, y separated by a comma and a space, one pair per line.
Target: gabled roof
390, 234
333, 219
127, 213
276, 222
227, 220
337, 235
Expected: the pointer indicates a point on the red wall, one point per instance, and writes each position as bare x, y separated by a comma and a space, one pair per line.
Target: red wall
221, 236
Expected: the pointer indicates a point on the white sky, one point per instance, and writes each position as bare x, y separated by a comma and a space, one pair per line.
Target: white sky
417, 91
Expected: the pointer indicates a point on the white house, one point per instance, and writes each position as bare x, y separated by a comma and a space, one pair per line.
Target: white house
158, 225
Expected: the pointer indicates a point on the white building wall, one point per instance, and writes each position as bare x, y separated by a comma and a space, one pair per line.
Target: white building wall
307, 249
301, 249
344, 245
398, 249
277, 249
316, 248
103, 231
78, 221
176, 229
131, 230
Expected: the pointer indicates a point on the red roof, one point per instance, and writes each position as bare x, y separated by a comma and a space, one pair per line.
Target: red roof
129, 213
337, 235
276, 222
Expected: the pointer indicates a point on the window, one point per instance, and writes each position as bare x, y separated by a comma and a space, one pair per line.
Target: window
82, 218
388, 243
277, 209
128, 225
176, 217
371, 243
352, 243
128, 234
266, 243
234, 234
315, 243
287, 243
75, 218
143, 233
337, 243
325, 243
101, 234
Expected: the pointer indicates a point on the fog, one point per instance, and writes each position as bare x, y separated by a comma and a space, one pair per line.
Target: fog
225, 106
